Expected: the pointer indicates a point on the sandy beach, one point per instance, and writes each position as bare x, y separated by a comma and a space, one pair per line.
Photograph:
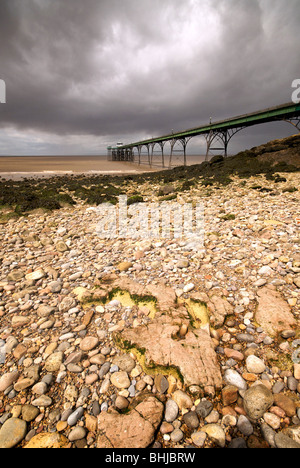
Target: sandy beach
107, 326
19, 167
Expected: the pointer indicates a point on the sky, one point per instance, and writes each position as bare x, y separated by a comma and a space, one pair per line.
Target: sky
82, 75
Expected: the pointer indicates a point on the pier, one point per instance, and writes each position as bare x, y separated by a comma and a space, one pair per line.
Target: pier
217, 136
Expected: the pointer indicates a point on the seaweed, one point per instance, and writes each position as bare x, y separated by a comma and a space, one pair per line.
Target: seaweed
23, 196
135, 199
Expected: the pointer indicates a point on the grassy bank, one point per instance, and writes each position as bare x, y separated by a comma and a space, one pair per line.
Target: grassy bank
21, 197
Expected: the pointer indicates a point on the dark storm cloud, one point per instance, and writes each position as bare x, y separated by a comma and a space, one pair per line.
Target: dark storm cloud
133, 68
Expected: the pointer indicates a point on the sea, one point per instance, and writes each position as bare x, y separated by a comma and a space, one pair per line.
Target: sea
20, 167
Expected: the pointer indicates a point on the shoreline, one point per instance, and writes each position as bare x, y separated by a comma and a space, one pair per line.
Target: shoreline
18, 168
19, 176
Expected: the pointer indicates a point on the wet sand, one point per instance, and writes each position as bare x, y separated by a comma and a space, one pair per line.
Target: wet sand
19, 167
44, 166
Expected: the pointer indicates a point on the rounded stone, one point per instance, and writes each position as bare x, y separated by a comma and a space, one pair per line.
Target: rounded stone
283, 441
121, 402
54, 361
272, 420
12, 432
77, 433
44, 311
7, 380
232, 377
29, 413
182, 399
61, 246
120, 380
40, 388
71, 393
48, 440
88, 343
43, 401
255, 365
75, 416
161, 383
171, 411
199, 438
216, 433
177, 435
36, 275
204, 408
257, 400
244, 425
23, 384
191, 420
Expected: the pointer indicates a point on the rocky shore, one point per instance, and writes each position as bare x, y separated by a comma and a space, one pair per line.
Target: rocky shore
152, 342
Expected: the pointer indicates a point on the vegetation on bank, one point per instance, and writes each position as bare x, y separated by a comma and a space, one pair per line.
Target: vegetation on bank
20, 197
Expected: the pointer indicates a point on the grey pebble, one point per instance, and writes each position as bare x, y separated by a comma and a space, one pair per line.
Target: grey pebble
238, 443
75, 416
177, 435
278, 387
244, 425
204, 408
171, 411
245, 337
104, 369
77, 433
283, 441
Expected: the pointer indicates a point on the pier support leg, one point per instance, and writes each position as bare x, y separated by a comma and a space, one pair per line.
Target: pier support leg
295, 122
223, 138
161, 152
182, 156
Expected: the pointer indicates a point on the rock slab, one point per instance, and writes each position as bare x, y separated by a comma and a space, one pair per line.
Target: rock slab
135, 429
194, 355
273, 313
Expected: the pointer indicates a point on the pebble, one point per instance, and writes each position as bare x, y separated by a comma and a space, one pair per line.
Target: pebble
272, 420
60, 367
257, 400
199, 438
12, 432
244, 425
7, 380
182, 399
89, 343
188, 287
255, 365
191, 420
284, 442
74, 417
120, 379
77, 433
232, 377
42, 401
171, 410
177, 435
216, 433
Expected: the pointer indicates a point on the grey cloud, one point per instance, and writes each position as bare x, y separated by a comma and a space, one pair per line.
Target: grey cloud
111, 68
